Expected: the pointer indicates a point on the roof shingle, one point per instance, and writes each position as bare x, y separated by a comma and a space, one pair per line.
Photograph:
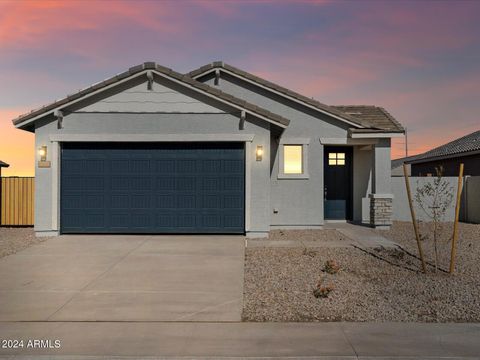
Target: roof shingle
460, 146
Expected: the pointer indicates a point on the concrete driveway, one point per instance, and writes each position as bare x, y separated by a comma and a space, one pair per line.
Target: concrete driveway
125, 278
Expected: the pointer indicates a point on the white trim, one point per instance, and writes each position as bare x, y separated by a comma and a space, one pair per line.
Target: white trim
347, 141
248, 183
375, 135
282, 94
55, 157
86, 96
151, 137
305, 174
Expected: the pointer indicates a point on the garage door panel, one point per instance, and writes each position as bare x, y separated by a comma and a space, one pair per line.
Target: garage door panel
119, 201
140, 183
120, 183
140, 201
164, 166
119, 220
74, 166
152, 188
165, 201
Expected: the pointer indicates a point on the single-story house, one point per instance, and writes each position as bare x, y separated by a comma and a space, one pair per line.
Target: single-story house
217, 150
464, 150
3, 165
397, 165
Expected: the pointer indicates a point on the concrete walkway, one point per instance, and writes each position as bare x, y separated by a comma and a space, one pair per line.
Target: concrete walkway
355, 235
364, 236
125, 278
246, 340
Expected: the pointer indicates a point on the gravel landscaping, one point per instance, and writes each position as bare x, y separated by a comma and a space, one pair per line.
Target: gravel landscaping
371, 285
13, 240
306, 235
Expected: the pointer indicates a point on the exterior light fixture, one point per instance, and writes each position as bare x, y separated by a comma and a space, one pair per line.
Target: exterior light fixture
259, 153
42, 151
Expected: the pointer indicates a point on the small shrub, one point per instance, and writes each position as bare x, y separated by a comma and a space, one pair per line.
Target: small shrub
331, 267
309, 252
322, 291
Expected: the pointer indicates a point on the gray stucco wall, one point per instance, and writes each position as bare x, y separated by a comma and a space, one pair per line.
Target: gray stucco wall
299, 202
101, 126
362, 183
401, 208
471, 199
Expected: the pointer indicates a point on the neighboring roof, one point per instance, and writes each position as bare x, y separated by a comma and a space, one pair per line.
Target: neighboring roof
369, 116
163, 70
459, 147
3, 164
374, 116
399, 162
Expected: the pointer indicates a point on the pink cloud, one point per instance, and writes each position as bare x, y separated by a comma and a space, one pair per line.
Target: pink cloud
16, 146
33, 24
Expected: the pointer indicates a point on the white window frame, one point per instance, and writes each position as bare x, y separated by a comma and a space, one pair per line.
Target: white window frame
303, 142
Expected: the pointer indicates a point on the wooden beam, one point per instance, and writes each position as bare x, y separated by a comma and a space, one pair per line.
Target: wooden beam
414, 220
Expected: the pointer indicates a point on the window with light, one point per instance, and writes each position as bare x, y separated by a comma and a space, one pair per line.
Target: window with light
336, 159
293, 159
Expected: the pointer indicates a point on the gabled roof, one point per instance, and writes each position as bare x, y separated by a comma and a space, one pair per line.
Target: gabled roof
462, 146
4, 164
169, 73
375, 116
399, 162
371, 117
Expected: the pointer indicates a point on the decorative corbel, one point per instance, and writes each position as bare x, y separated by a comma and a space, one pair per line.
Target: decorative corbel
59, 116
150, 80
243, 116
217, 77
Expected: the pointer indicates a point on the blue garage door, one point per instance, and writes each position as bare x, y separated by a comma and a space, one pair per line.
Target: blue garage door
152, 188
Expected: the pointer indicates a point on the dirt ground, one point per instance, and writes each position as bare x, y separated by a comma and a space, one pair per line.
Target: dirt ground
372, 285
13, 240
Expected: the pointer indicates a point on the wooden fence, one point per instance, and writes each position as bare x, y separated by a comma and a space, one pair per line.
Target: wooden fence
17, 201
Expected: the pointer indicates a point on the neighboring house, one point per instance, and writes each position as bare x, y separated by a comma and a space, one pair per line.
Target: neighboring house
464, 150
3, 165
397, 165
218, 150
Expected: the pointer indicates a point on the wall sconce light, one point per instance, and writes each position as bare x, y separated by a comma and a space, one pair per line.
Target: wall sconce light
42, 151
259, 153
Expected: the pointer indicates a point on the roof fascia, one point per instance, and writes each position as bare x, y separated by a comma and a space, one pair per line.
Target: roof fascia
376, 135
278, 93
443, 157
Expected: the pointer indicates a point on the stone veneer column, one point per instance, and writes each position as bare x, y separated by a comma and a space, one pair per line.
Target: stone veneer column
381, 210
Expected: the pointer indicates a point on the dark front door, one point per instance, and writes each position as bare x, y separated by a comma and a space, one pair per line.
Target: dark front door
152, 188
338, 182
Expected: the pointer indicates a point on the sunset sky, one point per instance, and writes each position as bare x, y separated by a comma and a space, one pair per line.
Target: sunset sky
420, 60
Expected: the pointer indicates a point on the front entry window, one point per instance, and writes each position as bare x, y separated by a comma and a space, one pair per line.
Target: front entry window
293, 162
336, 158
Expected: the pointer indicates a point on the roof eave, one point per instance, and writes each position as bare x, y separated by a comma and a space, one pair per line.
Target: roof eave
443, 157
24, 121
367, 133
